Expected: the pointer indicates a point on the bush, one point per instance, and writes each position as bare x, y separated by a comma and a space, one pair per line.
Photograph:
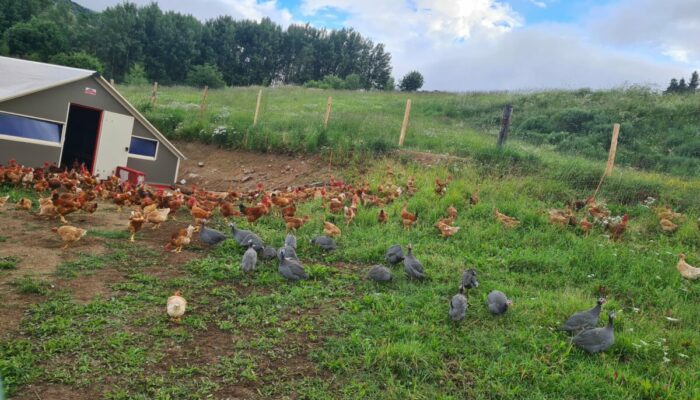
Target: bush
574, 120
79, 59
353, 82
205, 75
411, 82
136, 75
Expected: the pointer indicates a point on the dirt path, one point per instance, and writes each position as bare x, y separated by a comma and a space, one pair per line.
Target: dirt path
226, 169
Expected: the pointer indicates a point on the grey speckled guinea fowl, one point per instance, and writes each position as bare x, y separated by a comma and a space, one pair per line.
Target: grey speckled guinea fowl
210, 236
268, 253
469, 280
289, 252
250, 258
584, 320
497, 302
291, 269
458, 306
413, 267
239, 235
394, 255
597, 339
379, 273
258, 244
324, 242
291, 241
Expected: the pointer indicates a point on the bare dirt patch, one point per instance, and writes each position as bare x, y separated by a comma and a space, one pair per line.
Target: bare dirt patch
229, 169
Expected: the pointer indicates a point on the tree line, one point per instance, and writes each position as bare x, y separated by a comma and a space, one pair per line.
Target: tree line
127, 41
681, 86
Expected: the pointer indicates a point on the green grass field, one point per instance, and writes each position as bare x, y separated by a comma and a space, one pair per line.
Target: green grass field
659, 133
340, 336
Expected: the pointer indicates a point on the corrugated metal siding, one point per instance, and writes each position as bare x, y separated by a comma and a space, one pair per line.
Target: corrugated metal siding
53, 104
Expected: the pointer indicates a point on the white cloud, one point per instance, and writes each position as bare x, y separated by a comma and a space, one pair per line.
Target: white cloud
543, 57
540, 4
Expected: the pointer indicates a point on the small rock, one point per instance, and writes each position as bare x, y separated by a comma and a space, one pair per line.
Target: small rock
287, 168
246, 178
192, 175
248, 171
200, 164
183, 182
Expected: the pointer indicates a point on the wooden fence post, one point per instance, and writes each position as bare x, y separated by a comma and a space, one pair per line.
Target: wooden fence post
611, 158
328, 112
154, 94
505, 124
203, 104
404, 125
257, 108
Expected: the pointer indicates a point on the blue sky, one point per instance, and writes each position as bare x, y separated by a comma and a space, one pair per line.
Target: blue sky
464, 45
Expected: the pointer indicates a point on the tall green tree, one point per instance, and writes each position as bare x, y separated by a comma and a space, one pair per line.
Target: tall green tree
694, 82
121, 38
411, 82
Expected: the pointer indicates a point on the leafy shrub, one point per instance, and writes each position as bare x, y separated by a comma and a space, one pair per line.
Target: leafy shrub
411, 82
136, 75
573, 120
205, 75
79, 59
352, 82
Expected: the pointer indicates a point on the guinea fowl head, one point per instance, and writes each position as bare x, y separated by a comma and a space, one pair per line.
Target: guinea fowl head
611, 317
461, 289
410, 248
602, 301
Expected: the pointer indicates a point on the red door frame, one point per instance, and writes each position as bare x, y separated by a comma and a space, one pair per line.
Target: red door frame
97, 134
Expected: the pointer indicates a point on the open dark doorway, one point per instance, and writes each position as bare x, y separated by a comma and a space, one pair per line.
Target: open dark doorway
82, 130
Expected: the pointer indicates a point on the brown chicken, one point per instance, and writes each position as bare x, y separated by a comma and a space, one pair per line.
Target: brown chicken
121, 200
330, 229
199, 213
336, 205
585, 226
350, 213
474, 198
279, 200
667, 213
447, 230
452, 212
150, 208
687, 270
382, 217
597, 211
136, 221
441, 186
46, 208
289, 211
69, 234
562, 217
407, 218
254, 213
667, 225
508, 222
180, 239
24, 204
157, 217
89, 207
618, 229
294, 223
227, 210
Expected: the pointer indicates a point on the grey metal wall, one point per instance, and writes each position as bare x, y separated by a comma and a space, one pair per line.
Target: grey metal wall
53, 104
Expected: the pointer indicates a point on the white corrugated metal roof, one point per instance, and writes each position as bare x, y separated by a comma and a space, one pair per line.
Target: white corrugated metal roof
21, 77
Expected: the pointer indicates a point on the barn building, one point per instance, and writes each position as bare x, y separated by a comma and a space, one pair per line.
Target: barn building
62, 115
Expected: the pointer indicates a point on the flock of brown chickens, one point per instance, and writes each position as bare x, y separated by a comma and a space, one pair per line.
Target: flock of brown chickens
63, 192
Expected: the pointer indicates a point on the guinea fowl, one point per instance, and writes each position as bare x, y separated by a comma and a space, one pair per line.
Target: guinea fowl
584, 319
250, 258
324, 242
598, 339
290, 240
413, 267
210, 236
268, 253
498, 302
469, 280
379, 273
394, 255
458, 305
292, 270
242, 236
289, 252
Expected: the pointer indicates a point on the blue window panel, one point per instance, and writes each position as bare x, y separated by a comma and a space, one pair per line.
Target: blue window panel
143, 147
28, 128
